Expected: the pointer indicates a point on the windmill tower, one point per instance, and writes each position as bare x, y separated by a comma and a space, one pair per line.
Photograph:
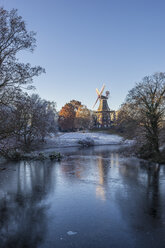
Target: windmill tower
103, 112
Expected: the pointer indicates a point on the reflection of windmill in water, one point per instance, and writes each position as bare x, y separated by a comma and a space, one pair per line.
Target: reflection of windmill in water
103, 113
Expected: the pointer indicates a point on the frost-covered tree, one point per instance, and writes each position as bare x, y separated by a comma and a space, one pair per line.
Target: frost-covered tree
14, 38
26, 121
146, 102
34, 119
7, 118
23, 118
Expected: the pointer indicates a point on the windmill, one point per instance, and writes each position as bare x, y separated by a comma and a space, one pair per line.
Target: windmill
103, 112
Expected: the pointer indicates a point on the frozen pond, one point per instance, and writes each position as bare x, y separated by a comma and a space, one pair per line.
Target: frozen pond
95, 198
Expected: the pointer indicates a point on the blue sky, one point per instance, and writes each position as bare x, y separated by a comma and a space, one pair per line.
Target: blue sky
85, 43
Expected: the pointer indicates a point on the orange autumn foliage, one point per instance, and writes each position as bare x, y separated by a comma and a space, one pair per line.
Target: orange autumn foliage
66, 118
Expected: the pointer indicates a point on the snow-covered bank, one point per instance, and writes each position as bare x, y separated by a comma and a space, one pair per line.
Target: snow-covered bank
73, 138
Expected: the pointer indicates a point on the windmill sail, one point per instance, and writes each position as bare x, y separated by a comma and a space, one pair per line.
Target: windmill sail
103, 87
99, 94
97, 91
96, 102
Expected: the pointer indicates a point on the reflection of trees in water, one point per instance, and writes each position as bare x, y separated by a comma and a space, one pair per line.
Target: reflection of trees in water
106, 160
22, 210
75, 165
140, 200
72, 168
153, 194
103, 168
92, 166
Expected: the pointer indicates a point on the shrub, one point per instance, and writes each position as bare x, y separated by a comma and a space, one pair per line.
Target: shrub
86, 142
55, 156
